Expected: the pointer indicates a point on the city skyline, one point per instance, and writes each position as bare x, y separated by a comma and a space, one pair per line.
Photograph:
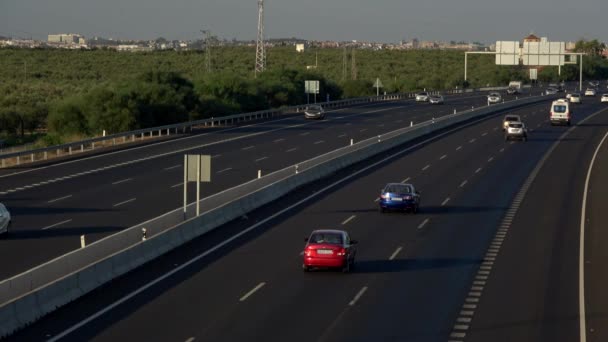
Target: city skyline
339, 20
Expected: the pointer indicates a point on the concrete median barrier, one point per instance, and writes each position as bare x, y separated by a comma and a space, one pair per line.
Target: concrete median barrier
33, 294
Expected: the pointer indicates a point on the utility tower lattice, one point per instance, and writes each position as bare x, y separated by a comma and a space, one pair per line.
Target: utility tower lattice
260, 51
353, 67
344, 64
207, 37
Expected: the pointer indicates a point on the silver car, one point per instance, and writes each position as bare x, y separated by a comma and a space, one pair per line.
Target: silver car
516, 130
314, 112
494, 98
5, 219
436, 99
422, 97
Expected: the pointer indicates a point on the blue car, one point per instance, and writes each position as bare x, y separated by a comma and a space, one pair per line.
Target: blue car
399, 196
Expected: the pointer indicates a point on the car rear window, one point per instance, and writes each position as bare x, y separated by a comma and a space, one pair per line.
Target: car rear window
515, 125
398, 188
559, 108
330, 238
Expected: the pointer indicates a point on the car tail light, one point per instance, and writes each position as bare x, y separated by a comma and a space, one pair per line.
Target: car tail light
385, 196
308, 251
408, 197
342, 252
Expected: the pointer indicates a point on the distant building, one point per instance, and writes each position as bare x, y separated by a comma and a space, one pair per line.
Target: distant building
66, 38
532, 38
299, 47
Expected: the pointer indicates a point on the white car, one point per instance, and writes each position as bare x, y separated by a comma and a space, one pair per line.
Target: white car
516, 130
568, 96
436, 99
590, 92
575, 98
509, 118
604, 98
494, 98
560, 112
5, 219
422, 97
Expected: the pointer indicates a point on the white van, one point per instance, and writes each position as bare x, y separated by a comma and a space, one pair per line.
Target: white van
5, 219
560, 112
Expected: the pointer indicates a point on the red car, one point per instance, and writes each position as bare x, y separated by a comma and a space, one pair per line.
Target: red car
329, 248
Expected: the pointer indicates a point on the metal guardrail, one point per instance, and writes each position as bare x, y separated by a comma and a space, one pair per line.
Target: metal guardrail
42, 154
80, 258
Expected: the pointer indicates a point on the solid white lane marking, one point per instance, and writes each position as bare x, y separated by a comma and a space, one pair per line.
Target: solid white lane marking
358, 296
172, 167
443, 157
247, 148
582, 311
464, 183
125, 202
319, 142
405, 180
348, 219
426, 167
445, 201
254, 290
279, 140
220, 171
59, 199
57, 224
478, 170
122, 181
394, 255
420, 226
260, 159
458, 148
291, 149
176, 185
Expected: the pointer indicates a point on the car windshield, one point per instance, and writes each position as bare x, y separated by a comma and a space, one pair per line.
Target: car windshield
398, 188
494, 94
314, 108
329, 238
511, 118
559, 108
423, 94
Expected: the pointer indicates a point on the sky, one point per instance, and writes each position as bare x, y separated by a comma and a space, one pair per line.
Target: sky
343, 20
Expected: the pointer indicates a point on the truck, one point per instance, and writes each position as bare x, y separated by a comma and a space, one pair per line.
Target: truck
514, 87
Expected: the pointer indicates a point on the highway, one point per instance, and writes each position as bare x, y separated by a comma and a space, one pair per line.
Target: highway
416, 276
53, 205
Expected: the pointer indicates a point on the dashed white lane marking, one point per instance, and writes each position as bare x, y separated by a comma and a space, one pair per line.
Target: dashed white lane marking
426, 167
478, 170
496, 128
458, 148
59, 199
363, 130
445, 201
472, 140
502, 149
399, 121
124, 202
405, 180
278, 140
464, 183
57, 224
490, 159
260, 159
190, 339
220, 171
420, 226
381, 125
341, 135
291, 149
172, 167
348, 219
394, 255
484, 134
176, 185
122, 181
254, 290
443, 157
358, 296
305, 133
247, 148
319, 142
217, 155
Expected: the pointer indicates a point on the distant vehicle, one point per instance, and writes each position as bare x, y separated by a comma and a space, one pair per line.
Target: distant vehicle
329, 248
494, 98
575, 98
5, 219
590, 92
550, 91
594, 84
514, 87
399, 196
516, 130
560, 112
604, 98
422, 97
509, 118
314, 112
436, 99
568, 96
553, 85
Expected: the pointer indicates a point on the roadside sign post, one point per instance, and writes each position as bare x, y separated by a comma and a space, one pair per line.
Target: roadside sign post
378, 85
311, 87
197, 168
